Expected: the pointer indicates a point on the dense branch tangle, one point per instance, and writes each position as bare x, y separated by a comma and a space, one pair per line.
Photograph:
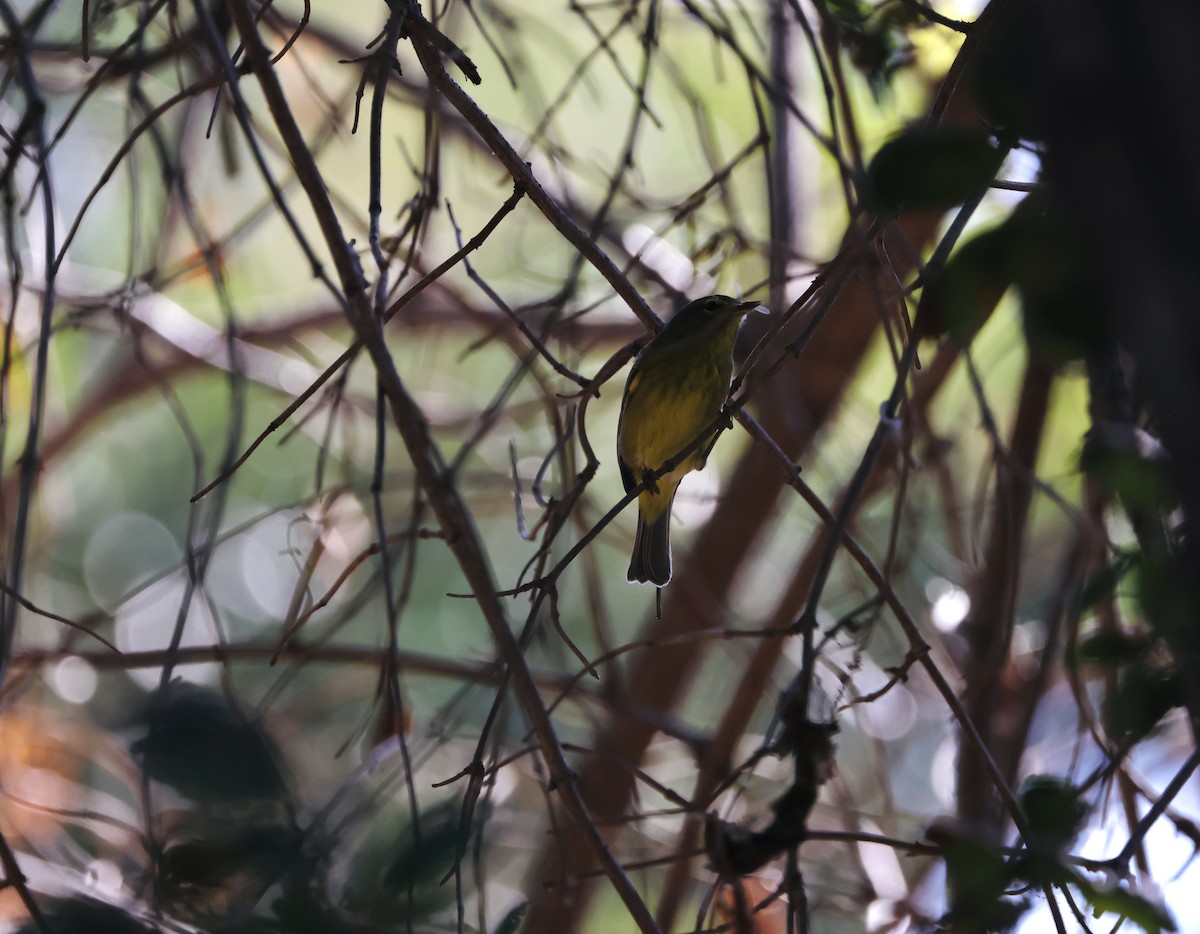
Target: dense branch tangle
433, 313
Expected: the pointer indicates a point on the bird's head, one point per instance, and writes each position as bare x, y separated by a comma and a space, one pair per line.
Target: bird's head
711, 311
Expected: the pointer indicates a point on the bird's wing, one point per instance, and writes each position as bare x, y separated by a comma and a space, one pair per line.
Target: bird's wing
631, 384
627, 477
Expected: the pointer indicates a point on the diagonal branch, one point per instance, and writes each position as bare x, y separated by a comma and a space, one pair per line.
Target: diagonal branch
520, 170
444, 499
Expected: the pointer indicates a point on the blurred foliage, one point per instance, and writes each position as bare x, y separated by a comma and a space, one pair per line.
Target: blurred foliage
196, 742
986, 879
876, 37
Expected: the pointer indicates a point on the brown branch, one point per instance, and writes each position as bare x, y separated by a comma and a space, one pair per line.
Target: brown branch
793, 406
424, 45
352, 351
988, 629
444, 499
295, 651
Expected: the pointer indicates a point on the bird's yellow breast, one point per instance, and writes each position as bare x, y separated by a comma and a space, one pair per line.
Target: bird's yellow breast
670, 399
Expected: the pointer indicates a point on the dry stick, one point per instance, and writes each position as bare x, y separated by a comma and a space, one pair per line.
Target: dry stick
836, 274
522, 173
725, 36
1120, 862
127, 383
127, 144
607, 795
389, 673
827, 91
33, 123
625, 158
299, 653
921, 9
483, 145
350, 352
1026, 694
974, 38
706, 437
295, 619
920, 647
536, 342
806, 625
912, 631
915, 847
444, 499
547, 580
580, 70
78, 627
564, 507
993, 594
109, 69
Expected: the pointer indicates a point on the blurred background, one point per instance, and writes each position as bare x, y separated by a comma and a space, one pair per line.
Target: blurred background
318, 317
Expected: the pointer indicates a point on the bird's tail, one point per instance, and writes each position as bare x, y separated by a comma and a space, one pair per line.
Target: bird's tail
651, 561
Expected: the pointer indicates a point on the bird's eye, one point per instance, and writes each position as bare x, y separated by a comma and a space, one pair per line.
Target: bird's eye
711, 305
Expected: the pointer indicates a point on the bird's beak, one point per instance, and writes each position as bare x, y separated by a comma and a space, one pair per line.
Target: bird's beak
747, 307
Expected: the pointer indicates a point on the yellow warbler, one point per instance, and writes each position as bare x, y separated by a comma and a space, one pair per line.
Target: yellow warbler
676, 388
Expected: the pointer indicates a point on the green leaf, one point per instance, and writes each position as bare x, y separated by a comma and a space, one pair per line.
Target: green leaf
1164, 593
1133, 465
931, 169
956, 299
978, 875
417, 864
1150, 917
1053, 811
397, 879
198, 744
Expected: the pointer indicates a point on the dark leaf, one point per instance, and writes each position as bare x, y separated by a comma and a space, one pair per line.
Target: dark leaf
1133, 465
979, 876
1053, 812
1112, 648
419, 864
1007, 73
261, 852
397, 878
199, 745
1164, 593
1143, 696
1060, 302
956, 299
931, 169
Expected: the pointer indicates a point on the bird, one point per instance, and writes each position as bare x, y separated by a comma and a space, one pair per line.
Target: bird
675, 389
